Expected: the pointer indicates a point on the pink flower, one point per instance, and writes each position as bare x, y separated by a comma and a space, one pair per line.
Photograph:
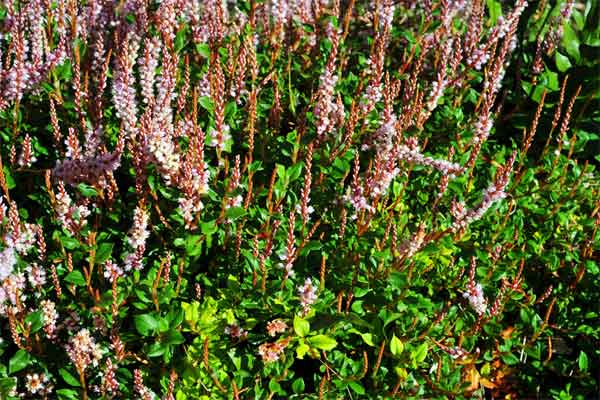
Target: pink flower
476, 299
36, 275
276, 326
137, 239
38, 384
49, 316
112, 271
139, 231
308, 295
8, 259
271, 352
236, 332
83, 350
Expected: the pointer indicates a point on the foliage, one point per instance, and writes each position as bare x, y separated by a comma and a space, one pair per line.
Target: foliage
206, 199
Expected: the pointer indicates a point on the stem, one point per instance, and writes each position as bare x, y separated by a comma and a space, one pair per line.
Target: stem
83, 387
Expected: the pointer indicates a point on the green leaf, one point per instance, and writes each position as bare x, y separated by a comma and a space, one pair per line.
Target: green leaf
396, 346
180, 40
366, 337
401, 372
68, 394
193, 245
35, 321
175, 317
6, 386
562, 62
313, 245
10, 182
69, 242
68, 377
298, 385
208, 228
145, 324
203, 49
582, 361
495, 10
591, 265
275, 387
206, 103
357, 387
255, 166
524, 316
571, 42
163, 324
510, 359
103, 252
19, 361
420, 354
281, 174
322, 342
142, 295
235, 212
294, 171
87, 190
301, 326
173, 337
76, 278
156, 349
190, 311
301, 350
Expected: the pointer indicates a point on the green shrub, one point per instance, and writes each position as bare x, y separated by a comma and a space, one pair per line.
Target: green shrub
206, 199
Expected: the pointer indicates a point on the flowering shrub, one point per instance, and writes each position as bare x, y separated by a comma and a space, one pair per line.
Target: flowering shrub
206, 199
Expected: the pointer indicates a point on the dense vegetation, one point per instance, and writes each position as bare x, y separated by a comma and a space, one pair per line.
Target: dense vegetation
207, 199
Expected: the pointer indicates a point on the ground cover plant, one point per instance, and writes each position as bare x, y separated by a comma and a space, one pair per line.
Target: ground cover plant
206, 199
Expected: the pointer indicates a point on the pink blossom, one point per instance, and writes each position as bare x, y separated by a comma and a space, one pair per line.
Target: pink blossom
137, 239
308, 295
36, 275
8, 260
236, 332
476, 299
83, 350
271, 352
49, 316
276, 326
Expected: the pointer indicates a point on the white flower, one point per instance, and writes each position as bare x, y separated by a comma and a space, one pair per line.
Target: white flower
139, 231
476, 299
308, 294
36, 383
36, 275
83, 350
8, 259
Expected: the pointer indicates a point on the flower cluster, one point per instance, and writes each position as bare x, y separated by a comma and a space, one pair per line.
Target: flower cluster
140, 389
308, 295
276, 326
194, 182
182, 179
476, 299
8, 259
271, 352
71, 216
50, 317
474, 292
137, 239
38, 384
492, 194
83, 350
410, 153
328, 112
112, 271
236, 332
